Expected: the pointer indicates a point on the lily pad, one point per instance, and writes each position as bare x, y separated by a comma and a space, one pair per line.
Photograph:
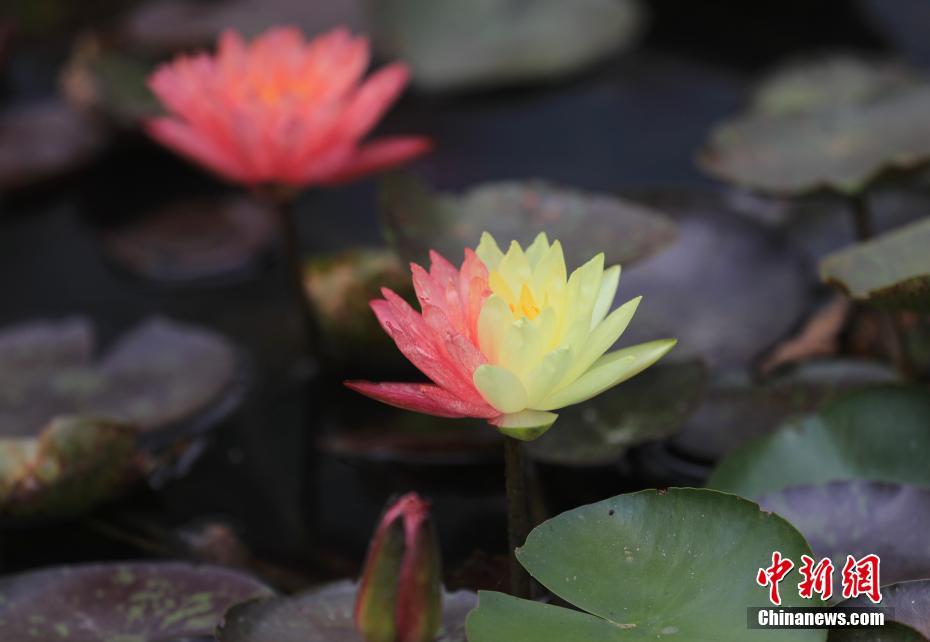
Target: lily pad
890, 632
44, 141
167, 26
892, 270
489, 43
73, 465
737, 409
878, 434
195, 240
910, 601
650, 407
837, 145
323, 615
692, 291
680, 563
857, 517
417, 220
340, 287
137, 602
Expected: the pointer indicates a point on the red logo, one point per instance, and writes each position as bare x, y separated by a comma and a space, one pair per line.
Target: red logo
860, 577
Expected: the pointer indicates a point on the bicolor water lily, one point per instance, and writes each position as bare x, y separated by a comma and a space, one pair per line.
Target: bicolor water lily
510, 336
282, 110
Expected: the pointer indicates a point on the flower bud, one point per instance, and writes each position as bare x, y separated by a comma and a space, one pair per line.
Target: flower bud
400, 593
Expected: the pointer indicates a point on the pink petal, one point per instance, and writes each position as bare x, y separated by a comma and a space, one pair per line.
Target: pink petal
374, 157
424, 398
192, 143
372, 100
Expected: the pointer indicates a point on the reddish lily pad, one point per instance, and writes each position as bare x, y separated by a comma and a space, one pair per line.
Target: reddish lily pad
737, 409
892, 270
856, 517
455, 45
649, 407
137, 602
839, 145
73, 465
340, 287
323, 615
418, 220
194, 240
43, 141
162, 27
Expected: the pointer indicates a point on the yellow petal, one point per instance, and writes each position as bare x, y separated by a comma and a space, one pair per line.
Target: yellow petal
606, 294
489, 252
514, 267
537, 249
611, 369
493, 322
603, 337
544, 377
526, 425
501, 388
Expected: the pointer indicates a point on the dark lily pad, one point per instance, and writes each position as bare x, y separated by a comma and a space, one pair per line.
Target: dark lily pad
417, 220
839, 145
910, 601
194, 240
454, 45
649, 407
641, 566
737, 409
43, 141
878, 434
110, 83
833, 82
693, 292
73, 465
126, 602
165, 27
856, 517
892, 270
900, 23
890, 632
340, 287
323, 615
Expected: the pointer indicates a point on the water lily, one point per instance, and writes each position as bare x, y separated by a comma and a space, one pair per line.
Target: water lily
510, 337
400, 592
281, 110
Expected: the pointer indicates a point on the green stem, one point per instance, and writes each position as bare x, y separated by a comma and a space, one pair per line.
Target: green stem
892, 333
518, 523
294, 267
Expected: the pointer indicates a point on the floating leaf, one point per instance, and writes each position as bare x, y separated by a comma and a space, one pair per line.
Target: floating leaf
418, 220
640, 566
166, 26
892, 270
323, 615
737, 409
136, 601
455, 45
649, 407
692, 291
72, 466
856, 517
837, 144
878, 434
890, 632
195, 239
340, 287
910, 601
43, 141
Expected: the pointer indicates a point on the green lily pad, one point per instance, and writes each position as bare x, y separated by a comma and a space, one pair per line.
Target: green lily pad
839, 145
44, 141
834, 82
677, 564
417, 220
124, 602
892, 270
323, 615
340, 287
72, 466
195, 240
736, 408
910, 601
490, 43
649, 407
856, 517
878, 434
